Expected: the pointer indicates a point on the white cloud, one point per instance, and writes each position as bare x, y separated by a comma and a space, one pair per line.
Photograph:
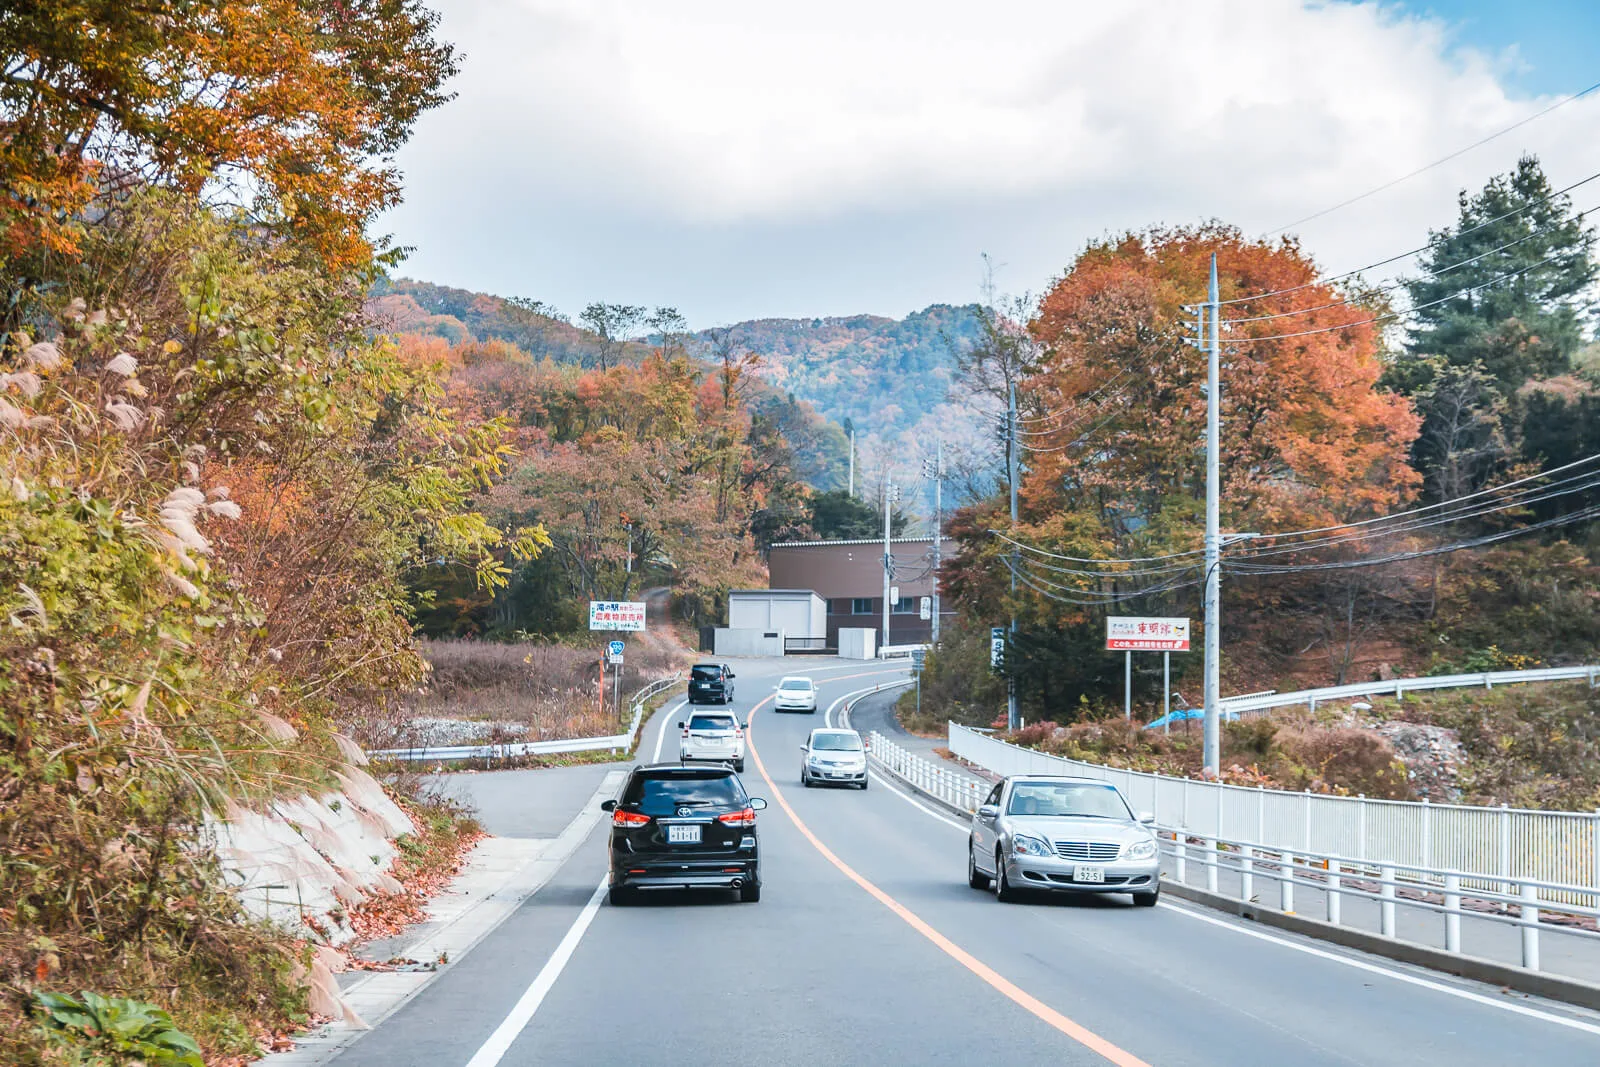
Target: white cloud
700, 134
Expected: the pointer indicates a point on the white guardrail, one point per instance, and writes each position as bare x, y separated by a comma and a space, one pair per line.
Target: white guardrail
935, 778
1529, 904
1486, 846
615, 742
1399, 687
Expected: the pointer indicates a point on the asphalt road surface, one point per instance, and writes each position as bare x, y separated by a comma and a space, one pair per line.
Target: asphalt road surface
869, 947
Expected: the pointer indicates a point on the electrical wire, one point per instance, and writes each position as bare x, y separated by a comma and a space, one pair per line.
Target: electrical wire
1054, 591
1084, 559
1241, 567
1438, 162
1402, 314
1345, 301
1329, 279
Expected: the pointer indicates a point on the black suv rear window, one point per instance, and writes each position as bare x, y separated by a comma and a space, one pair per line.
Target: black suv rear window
663, 795
706, 674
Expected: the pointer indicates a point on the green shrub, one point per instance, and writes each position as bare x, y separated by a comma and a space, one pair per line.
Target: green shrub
126, 1031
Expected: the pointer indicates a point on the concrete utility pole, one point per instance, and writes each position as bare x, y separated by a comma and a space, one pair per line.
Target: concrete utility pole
1011, 476
934, 469
852, 463
1212, 748
890, 491
938, 531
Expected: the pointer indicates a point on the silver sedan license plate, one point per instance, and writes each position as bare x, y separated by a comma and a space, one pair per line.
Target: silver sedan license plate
683, 835
1082, 873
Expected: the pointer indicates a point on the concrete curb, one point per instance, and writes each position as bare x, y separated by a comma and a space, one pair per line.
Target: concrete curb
1534, 983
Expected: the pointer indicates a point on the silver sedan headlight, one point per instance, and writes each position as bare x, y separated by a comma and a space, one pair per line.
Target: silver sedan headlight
1030, 846
1139, 850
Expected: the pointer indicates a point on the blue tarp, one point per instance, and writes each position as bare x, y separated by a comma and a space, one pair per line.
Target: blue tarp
1188, 713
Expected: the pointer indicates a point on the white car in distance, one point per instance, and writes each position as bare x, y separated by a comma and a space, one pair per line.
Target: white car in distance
796, 693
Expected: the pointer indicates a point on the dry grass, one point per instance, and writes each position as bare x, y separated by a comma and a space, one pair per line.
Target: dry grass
520, 692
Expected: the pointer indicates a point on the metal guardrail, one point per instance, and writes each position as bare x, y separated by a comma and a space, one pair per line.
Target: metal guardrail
818, 645
932, 778
1488, 846
896, 651
1524, 903
1398, 687
615, 742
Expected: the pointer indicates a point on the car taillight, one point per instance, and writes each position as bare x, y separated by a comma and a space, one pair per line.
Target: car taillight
628, 818
747, 817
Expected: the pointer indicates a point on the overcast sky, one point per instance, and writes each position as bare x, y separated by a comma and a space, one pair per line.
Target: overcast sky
753, 160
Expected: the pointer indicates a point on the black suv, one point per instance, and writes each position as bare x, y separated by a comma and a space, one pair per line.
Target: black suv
678, 827
711, 683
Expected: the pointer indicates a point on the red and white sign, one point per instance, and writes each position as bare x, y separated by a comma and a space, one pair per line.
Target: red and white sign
1128, 633
616, 615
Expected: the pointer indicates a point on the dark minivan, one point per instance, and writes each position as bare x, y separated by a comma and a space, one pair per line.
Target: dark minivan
678, 827
711, 683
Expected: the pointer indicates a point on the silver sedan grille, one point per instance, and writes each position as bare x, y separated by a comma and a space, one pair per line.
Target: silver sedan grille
1088, 850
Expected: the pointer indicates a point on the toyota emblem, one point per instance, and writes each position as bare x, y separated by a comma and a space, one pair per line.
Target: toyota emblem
684, 811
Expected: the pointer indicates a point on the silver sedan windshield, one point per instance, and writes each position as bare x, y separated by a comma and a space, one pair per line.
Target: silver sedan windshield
1072, 799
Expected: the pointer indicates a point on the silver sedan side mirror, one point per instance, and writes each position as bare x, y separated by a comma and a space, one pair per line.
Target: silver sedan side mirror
988, 811
1147, 817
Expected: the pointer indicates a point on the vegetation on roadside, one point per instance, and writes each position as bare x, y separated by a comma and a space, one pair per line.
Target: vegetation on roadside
218, 485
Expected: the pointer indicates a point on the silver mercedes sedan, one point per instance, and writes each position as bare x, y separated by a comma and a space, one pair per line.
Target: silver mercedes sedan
1052, 832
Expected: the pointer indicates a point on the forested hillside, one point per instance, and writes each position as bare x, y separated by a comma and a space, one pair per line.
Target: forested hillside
881, 374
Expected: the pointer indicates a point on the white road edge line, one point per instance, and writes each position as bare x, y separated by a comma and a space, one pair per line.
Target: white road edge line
1361, 965
661, 731
1401, 976
522, 1014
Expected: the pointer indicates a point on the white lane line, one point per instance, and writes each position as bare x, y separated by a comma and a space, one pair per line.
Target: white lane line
661, 731
883, 780
500, 1041
1399, 976
1361, 965
844, 716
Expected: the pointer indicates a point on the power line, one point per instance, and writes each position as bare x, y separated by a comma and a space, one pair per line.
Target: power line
1345, 301
1436, 163
1083, 559
1402, 314
1329, 279
1395, 557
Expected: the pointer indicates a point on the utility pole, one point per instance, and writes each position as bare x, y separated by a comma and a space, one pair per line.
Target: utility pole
852, 463
1011, 476
1212, 748
935, 470
890, 492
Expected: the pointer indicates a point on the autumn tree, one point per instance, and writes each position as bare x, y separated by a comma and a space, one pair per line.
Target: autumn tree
290, 108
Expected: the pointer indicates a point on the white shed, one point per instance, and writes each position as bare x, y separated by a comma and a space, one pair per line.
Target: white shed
795, 613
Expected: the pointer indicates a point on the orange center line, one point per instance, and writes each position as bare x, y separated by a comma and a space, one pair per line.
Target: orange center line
1040, 1010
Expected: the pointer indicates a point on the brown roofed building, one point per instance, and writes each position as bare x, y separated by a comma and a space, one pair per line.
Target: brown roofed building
849, 576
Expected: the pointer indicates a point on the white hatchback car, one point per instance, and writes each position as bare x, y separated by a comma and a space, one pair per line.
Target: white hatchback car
796, 693
712, 735
834, 756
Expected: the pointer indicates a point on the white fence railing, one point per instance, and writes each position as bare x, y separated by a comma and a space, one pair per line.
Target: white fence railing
1522, 903
934, 777
1255, 702
1490, 847
615, 742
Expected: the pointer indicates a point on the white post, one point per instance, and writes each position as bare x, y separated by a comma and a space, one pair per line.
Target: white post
1452, 912
1386, 896
1286, 894
938, 535
1212, 748
1210, 844
1308, 822
1427, 833
1180, 845
1505, 849
1247, 878
1361, 829
1334, 895
1166, 692
1530, 928
1594, 857
1127, 686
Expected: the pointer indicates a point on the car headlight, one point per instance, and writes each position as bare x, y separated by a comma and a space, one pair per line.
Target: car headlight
1140, 850
1029, 846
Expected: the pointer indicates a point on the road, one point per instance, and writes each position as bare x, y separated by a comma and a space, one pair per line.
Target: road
868, 946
